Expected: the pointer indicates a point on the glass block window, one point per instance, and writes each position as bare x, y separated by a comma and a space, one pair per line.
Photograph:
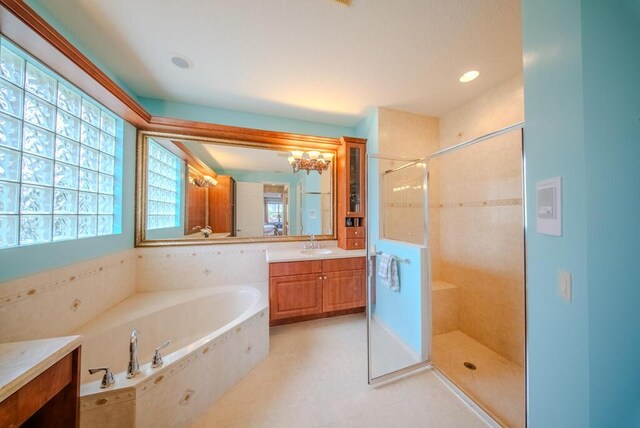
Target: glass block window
162, 188
59, 153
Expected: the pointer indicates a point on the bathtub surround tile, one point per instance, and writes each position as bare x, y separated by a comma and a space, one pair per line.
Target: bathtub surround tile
120, 414
315, 376
178, 398
171, 268
55, 303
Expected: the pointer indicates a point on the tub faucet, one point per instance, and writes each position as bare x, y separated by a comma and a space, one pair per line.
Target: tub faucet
134, 367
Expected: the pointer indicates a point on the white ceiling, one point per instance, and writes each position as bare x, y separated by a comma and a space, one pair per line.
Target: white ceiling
221, 158
314, 60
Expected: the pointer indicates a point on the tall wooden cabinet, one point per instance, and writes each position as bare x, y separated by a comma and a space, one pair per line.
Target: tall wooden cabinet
352, 193
222, 205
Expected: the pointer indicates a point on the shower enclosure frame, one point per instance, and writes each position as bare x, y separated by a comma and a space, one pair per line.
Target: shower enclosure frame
371, 266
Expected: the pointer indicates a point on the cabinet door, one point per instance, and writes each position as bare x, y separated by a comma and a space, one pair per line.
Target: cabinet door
295, 295
355, 176
343, 290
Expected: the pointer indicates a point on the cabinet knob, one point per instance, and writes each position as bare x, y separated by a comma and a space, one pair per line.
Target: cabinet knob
325, 277
320, 277
356, 232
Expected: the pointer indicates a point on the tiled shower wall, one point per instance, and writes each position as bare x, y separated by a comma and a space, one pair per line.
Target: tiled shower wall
476, 219
409, 136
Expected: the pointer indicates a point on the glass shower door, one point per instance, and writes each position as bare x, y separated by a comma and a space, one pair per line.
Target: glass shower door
477, 280
398, 311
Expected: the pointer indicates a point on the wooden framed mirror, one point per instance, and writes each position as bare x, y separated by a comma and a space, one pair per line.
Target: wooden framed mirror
199, 190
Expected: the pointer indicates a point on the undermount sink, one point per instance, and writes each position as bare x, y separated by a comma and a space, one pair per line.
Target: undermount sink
317, 251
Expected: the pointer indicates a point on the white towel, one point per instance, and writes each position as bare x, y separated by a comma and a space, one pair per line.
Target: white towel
388, 272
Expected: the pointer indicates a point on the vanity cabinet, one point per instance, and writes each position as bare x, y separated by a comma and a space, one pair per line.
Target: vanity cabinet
351, 180
304, 290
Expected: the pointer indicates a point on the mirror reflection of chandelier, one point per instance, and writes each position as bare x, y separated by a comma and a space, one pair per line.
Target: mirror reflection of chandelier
205, 181
309, 161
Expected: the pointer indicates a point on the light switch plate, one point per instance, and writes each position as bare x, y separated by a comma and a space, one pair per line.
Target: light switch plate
564, 285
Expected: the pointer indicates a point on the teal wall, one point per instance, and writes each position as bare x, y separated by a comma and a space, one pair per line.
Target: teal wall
558, 352
20, 261
237, 118
581, 64
611, 69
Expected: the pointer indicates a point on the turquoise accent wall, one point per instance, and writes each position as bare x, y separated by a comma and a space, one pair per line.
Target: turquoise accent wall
401, 312
582, 61
558, 352
237, 118
20, 261
611, 69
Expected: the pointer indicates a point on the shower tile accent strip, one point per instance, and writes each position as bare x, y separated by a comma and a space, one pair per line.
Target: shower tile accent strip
488, 203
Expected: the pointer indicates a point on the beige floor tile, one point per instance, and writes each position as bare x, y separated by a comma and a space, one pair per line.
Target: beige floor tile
316, 376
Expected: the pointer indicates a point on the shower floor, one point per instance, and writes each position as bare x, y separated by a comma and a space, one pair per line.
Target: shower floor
497, 384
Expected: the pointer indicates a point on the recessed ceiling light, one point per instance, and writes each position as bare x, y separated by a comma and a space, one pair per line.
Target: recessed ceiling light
181, 61
469, 76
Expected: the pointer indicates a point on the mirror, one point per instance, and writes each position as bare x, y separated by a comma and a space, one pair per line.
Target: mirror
196, 190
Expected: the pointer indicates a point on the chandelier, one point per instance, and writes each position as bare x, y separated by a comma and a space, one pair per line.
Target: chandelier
205, 181
309, 161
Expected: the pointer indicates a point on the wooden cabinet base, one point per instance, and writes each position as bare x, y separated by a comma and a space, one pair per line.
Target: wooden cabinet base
292, 320
50, 400
307, 290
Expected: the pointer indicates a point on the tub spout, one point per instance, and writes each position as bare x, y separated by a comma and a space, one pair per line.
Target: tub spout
134, 367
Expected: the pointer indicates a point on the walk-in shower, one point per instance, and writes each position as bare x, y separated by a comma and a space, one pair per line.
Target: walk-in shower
454, 222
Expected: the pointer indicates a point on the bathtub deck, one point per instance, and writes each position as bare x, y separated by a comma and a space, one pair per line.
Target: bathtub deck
316, 376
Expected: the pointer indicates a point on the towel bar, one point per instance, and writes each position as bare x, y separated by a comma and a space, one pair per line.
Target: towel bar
399, 260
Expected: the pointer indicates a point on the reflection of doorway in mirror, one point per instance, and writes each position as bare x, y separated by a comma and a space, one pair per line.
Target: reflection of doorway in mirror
250, 209
275, 209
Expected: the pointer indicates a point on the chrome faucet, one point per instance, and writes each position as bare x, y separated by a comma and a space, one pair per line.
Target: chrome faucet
312, 244
107, 379
134, 367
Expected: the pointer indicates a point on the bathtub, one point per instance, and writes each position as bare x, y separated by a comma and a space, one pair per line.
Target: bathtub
217, 335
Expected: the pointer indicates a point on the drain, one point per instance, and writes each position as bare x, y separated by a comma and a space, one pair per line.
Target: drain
469, 365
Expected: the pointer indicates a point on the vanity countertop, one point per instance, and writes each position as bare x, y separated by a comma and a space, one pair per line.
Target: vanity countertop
21, 362
295, 254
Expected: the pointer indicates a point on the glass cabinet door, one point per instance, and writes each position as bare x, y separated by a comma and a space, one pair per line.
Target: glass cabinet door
355, 179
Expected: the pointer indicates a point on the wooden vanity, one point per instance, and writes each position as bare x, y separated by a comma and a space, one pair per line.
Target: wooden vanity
40, 383
310, 289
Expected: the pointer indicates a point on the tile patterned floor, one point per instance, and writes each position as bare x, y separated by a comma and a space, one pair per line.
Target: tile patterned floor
316, 376
497, 383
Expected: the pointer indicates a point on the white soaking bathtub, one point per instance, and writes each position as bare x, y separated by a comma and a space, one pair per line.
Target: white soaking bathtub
217, 335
